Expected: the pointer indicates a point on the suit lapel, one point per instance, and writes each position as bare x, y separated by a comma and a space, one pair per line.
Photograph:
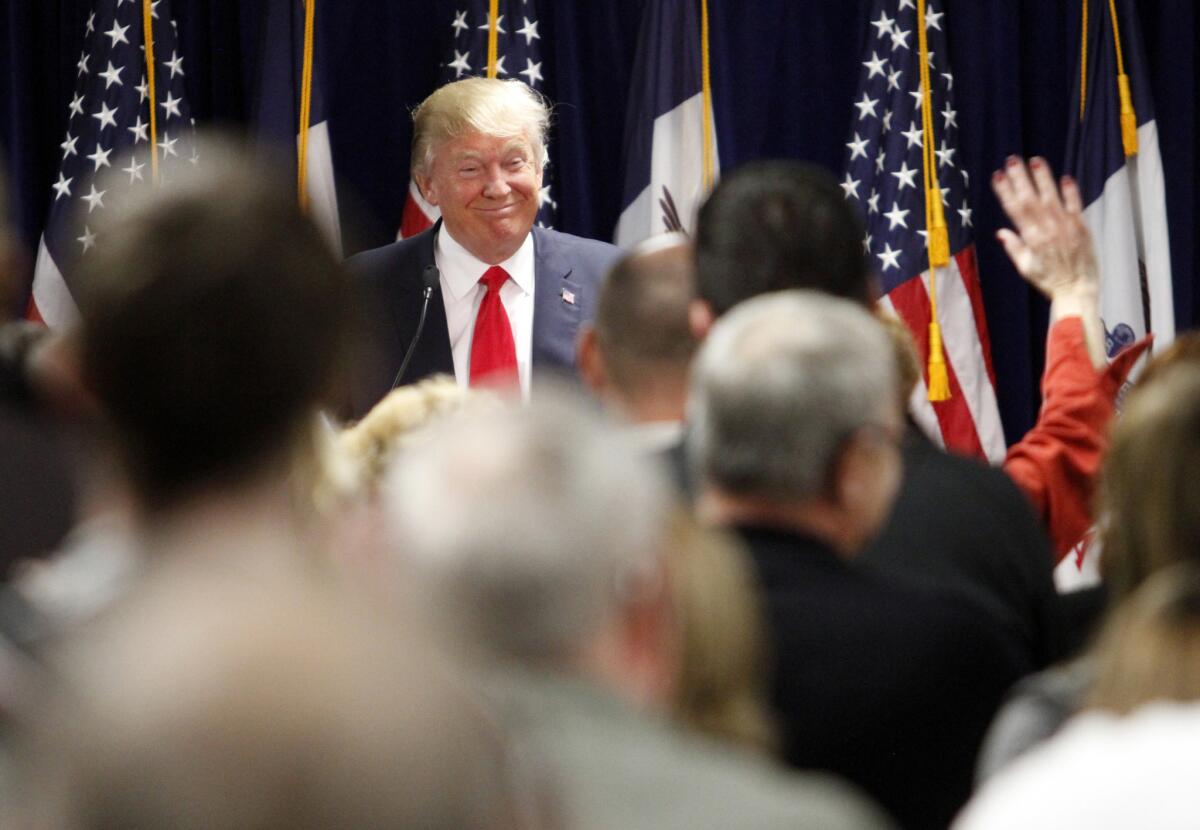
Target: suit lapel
556, 313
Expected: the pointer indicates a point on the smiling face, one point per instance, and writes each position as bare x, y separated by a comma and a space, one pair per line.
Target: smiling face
487, 188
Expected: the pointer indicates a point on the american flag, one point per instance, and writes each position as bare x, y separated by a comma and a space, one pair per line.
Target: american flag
884, 178
108, 145
518, 55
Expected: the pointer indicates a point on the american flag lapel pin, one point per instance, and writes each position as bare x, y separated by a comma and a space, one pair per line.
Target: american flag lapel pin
568, 297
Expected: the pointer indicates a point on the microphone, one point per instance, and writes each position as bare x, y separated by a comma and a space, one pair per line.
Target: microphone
430, 278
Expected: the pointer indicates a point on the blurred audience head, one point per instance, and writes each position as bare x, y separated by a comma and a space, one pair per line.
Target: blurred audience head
215, 702
1149, 502
795, 416
722, 685
637, 352
539, 535
368, 448
1149, 648
213, 318
776, 225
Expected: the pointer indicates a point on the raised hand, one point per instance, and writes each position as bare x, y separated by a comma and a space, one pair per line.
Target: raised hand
1051, 247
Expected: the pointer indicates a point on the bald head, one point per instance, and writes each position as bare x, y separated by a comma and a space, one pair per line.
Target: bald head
640, 338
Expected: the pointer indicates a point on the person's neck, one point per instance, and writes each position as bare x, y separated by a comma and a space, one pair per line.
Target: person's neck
640, 678
813, 518
269, 508
665, 402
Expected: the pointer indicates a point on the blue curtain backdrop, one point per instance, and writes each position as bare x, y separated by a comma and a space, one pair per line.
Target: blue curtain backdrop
784, 74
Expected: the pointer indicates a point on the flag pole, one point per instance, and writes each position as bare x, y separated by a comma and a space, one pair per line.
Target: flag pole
305, 104
706, 98
148, 38
1083, 56
493, 25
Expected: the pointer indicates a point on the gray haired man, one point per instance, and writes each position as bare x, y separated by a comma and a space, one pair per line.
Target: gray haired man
540, 536
796, 425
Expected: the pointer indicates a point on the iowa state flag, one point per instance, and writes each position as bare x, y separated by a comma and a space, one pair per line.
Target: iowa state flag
278, 110
670, 137
1120, 175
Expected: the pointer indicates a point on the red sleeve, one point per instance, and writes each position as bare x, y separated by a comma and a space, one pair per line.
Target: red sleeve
1055, 464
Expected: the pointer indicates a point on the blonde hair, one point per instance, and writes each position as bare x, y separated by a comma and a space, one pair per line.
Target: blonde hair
366, 448
1150, 648
503, 108
904, 349
1149, 500
721, 682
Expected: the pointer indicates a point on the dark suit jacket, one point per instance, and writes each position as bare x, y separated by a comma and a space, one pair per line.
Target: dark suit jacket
887, 685
960, 524
567, 273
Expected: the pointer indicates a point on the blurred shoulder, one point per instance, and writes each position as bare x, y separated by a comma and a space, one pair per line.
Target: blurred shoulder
403, 254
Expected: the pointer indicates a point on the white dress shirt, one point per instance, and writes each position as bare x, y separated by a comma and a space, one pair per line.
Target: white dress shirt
1101, 771
462, 295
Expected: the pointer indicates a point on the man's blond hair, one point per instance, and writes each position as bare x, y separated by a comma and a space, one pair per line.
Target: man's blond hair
502, 108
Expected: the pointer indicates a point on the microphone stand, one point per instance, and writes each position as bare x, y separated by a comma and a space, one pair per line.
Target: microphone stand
430, 279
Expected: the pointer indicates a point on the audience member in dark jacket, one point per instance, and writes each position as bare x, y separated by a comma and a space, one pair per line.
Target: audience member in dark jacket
796, 435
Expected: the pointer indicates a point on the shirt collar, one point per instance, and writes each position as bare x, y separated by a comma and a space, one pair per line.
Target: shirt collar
461, 269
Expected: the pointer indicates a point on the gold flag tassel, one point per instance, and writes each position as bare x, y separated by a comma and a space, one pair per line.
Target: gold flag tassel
1129, 137
937, 236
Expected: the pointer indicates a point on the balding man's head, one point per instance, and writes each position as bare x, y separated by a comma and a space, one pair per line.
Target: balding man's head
640, 346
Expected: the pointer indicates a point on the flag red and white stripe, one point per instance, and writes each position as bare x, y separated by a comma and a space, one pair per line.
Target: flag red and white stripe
969, 421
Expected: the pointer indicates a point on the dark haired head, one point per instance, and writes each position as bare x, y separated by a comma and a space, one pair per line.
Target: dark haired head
212, 321
775, 225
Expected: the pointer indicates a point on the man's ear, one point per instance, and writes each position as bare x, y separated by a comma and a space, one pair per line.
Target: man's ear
425, 185
591, 360
700, 318
846, 484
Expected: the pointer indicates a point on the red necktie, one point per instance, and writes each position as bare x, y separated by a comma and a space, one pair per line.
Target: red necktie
493, 352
